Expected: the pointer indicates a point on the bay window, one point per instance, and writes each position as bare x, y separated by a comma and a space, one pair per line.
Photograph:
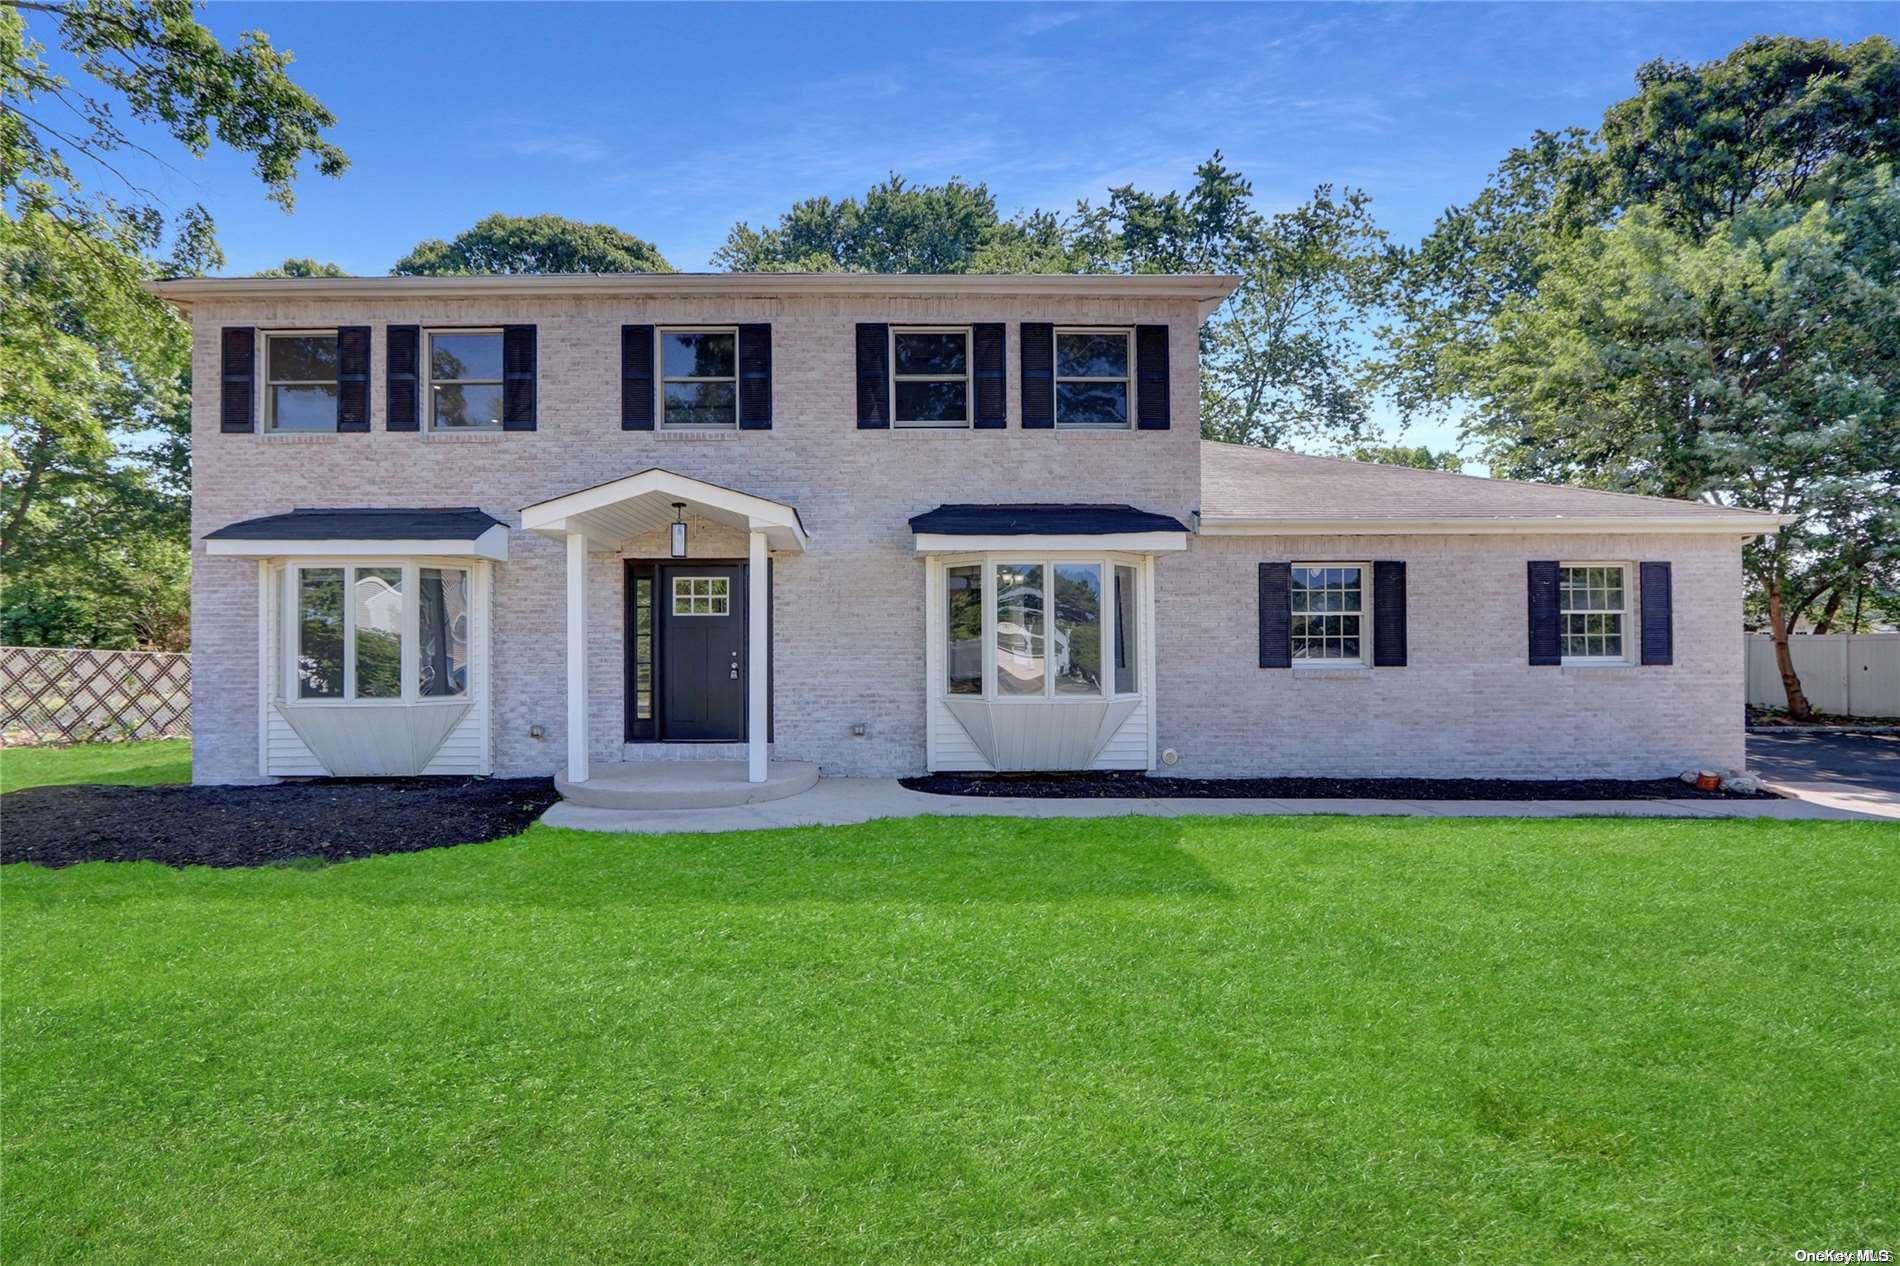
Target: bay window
387, 632
1040, 629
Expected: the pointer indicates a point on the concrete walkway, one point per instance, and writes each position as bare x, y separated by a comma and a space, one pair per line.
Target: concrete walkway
839, 801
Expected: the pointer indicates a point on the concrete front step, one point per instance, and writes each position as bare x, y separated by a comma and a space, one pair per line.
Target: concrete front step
688, 784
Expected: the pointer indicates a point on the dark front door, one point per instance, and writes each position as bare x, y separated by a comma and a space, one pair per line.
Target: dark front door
702, 653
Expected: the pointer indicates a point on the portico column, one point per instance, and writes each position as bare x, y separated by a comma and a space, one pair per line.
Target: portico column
757, 652
576, 657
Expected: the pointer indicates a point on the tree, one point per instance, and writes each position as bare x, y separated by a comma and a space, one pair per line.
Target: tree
1279, 359
1417, 456
1778, 126
533, 244
1758, 367
93, 370
303, 267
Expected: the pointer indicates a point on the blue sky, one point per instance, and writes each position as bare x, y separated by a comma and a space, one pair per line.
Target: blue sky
673, 122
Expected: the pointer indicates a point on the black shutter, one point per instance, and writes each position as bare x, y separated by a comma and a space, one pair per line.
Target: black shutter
1276, 615
989, 355
402, 357
1659, 631
237, 405
352, 378
1151, 377
636, 378
1388, 615
517, 377
1546, 647
1039, 375
755, 377
874, 376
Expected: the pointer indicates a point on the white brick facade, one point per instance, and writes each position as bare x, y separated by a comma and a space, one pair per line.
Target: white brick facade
848, 613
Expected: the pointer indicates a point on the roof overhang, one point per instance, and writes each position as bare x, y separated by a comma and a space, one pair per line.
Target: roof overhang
1208, 290
1744, 523
1045, 527
1109, 542
492, 544
609, 513
374, 532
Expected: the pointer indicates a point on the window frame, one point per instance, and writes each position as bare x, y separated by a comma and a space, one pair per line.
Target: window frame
1628, 630
1364, 615
266, 400
429, 379
1057, 378
291, 631
968, 379
1048, 561
661, 378
718, 590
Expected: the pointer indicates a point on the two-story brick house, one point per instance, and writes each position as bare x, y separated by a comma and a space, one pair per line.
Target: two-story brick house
882, 524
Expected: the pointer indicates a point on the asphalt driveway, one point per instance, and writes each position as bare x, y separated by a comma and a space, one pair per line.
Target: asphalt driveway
1852, 771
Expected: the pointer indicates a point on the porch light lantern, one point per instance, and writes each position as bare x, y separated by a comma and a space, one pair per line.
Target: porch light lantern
679, 530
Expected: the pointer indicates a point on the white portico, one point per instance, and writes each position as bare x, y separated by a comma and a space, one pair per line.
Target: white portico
599, 519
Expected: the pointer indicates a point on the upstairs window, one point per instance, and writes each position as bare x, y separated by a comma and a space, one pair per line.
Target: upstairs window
699, 377
465, 379
1593, 611
1092, 376
930, 377
300, 386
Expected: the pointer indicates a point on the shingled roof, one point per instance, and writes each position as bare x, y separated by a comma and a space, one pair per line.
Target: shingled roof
1261, 489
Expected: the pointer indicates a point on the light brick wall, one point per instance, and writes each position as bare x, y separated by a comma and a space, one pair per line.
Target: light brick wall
1468, 703
848, 613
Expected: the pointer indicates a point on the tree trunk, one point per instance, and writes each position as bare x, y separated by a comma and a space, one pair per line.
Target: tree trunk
1778, 628
1828, 612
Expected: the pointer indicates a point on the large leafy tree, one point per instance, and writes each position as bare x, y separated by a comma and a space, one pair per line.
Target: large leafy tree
93, 370
533, 244
1763, 162
1279, 360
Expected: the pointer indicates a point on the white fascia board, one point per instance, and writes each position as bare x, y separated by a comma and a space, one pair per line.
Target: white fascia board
492, 544
1112, 543
560, 515
1746, 523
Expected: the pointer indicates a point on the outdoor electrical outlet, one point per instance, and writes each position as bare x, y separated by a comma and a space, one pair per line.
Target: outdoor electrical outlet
858, 730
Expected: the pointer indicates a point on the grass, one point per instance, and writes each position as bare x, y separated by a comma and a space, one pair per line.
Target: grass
1197, 1040
139, 763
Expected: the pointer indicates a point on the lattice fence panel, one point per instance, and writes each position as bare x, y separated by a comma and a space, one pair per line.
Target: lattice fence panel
53, 695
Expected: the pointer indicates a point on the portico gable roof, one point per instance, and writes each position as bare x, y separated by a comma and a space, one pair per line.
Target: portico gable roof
609, 513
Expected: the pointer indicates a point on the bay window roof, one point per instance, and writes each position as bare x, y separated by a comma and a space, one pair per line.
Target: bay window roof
365, 531
956, 527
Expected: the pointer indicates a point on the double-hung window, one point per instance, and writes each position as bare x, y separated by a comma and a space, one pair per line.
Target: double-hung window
1093, 372
699, 377
930, 376
464, 379
385, 631
300, 381
1330, 606
1593, 605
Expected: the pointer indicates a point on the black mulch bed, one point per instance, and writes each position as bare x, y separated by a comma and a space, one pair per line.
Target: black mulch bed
255, 826
1105, 785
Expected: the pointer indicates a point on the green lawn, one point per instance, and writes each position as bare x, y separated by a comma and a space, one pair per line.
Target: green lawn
141, 763
1137, 1040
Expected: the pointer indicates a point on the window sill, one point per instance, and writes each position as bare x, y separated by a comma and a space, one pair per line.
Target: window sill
710, 434
933, 432
1096, 433
300, 437
1597, 666
462, 437
1332, 672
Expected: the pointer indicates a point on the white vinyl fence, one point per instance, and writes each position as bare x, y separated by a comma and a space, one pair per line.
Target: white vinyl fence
1845, 674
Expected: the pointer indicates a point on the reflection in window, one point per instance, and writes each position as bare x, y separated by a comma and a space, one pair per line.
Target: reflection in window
320, 633
464, 379
963, 628
699, 377
930, 375
378, 614
643, 647
1019, 629
1077, 643
1092, 378
442, 657
1127, 645
300, 377
1328, 610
